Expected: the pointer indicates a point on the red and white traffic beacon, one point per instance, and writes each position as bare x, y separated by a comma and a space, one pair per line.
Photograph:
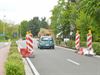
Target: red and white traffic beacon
77, 41
29, 44
28, 51
24, 51
89, 43
77, 44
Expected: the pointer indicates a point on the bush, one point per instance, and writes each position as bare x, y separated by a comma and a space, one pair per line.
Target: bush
24, 38
58, 41
14, 64
83, 44
14, 68
70, 44
96, 47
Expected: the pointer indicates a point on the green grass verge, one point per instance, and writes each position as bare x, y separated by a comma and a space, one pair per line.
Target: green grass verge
14, 64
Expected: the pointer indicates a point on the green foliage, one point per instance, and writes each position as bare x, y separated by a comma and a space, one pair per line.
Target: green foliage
43, 23
83, 24
81, 15
70, 44
96, 47
8, 30
91, 10
32, 25
1, 26
83, 44
14, 64
23, 28
60, 19
1, 38
13, 68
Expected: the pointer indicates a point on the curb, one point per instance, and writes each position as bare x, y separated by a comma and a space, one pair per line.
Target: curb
33, 69
69, 49
29, 67
28, 71
97, 56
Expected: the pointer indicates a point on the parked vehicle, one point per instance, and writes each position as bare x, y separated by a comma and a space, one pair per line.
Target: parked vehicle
46, 42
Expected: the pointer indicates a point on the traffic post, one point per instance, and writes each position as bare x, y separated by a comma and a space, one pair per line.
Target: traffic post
24, 51
29, 44
89, 44
28, 51
77, 41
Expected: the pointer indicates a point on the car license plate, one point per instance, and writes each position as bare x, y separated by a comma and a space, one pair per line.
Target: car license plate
47, 44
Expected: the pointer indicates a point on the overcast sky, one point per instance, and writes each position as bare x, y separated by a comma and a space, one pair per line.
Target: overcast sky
18, 10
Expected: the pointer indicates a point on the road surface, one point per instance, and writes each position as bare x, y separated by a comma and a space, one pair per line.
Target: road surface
63, 61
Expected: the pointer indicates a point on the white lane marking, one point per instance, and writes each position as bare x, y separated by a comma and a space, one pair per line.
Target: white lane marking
73, 62
32, 67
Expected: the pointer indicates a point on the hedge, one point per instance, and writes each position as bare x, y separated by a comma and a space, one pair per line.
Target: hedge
96, 47
14, 64
71, 44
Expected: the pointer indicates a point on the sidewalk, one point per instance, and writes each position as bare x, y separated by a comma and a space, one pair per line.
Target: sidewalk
3, 56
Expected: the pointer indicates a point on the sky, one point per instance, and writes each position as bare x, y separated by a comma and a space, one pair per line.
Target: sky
16, 11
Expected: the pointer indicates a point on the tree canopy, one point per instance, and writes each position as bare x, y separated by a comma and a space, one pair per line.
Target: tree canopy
33, 25
79, 15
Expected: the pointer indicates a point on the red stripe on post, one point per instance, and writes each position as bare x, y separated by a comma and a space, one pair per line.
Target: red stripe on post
30, 40
90, 38
77, 37
30, 45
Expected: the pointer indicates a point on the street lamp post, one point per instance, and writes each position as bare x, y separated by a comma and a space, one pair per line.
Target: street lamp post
4, 33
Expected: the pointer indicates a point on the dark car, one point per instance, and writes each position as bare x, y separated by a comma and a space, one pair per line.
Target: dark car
46, 42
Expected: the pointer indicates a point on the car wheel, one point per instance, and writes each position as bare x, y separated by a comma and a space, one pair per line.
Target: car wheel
38, 47
53, 47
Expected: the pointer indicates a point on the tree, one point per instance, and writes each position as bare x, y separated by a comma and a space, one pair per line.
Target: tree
34, 26
43, 23
91, 9
60, 19
23, 28
1, 26
82, 15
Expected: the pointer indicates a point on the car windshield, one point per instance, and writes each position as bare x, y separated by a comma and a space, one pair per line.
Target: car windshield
46, 39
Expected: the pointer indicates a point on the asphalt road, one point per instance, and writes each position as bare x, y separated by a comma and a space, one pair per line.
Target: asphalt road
63, 61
